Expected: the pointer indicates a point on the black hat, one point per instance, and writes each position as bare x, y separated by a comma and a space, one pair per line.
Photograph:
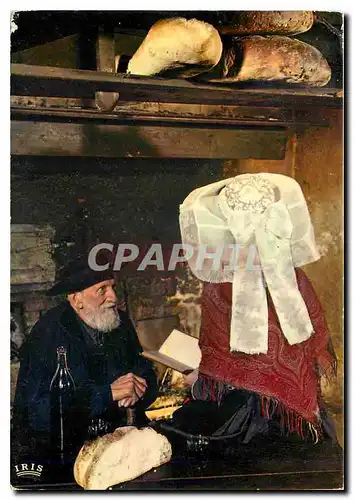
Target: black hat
78, 275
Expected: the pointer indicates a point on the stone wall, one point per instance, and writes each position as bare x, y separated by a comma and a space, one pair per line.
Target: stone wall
319, 170
128, 201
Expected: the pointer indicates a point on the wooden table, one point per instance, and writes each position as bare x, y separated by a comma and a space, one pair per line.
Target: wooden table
249, 468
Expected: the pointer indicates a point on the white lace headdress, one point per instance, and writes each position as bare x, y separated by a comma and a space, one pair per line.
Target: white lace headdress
252, 230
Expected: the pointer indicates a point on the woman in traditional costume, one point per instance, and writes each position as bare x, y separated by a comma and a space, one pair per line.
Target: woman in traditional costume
264, 338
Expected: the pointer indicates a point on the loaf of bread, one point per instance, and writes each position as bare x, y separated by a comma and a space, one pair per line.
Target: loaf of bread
186, 47
121, 456
267, 22
272, 59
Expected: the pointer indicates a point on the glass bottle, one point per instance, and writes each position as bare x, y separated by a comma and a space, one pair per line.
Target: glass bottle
62, 390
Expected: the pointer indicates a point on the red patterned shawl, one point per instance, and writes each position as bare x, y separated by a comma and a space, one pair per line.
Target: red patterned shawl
287, 376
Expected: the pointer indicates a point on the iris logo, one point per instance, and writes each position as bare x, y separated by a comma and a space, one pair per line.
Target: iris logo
29, 470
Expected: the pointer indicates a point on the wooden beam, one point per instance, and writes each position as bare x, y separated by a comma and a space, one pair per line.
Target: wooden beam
144, 141
268, 116
105, 61
60, 82
167, 114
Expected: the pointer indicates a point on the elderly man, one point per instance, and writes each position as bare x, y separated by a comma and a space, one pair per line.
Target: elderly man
103, 354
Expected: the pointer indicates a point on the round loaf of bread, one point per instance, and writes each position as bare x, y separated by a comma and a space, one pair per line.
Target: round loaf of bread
186, 47
267, 22
120, 456
272, 59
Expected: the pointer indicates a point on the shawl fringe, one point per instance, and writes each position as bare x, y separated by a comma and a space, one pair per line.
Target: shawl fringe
290, 421
270, 408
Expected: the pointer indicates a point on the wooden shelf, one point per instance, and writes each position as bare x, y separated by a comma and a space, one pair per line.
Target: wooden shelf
54, 112
45, 81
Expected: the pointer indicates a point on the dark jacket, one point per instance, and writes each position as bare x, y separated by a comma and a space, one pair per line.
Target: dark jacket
93, 368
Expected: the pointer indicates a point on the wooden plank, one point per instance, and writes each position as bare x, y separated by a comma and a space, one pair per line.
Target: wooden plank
171, 112
55, 82
132, 141
157, 110
259, 114
278, 481
284, 166
32, 102
243, 116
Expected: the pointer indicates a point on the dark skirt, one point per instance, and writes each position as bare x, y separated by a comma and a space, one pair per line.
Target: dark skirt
238, 419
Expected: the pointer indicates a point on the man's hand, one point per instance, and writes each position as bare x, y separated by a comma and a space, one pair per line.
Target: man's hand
128, 389
127, 402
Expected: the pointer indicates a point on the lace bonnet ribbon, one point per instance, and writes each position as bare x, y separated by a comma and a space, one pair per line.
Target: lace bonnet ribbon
263, 222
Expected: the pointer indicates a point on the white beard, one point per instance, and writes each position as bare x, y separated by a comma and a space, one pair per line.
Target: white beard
103, 319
